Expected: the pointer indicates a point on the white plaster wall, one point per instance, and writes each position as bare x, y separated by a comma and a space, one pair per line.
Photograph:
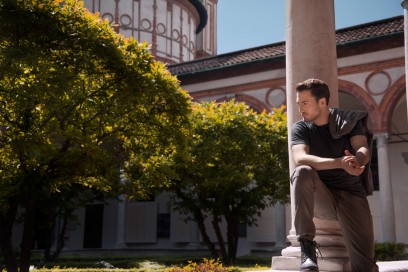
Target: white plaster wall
259, 94
141, 222
234, 81
371, 57
399, 173
265, 229
109, 224
179, 228
75, 231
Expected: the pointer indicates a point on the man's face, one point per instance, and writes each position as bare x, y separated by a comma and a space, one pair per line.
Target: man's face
309, 108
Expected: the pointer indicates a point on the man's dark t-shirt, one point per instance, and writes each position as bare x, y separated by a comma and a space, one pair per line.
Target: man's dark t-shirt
322, 144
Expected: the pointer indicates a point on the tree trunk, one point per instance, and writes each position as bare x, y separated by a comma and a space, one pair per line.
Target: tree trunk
204, 235
48, 241
7, 219
220, 239
60, 240
28, 233
60, 243
232, 236
47, 251
198, 216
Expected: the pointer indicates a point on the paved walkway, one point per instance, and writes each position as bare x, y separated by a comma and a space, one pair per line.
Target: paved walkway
393, 266
397, 266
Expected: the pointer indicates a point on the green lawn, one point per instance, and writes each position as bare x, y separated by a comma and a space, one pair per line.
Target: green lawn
143, 264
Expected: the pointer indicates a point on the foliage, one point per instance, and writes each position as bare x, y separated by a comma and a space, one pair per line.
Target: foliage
63, 269
236, 155
388, 251
142, 263
78, 103
236, 165
206, 265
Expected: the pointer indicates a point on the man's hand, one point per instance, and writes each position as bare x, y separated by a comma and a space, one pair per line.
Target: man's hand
351, 165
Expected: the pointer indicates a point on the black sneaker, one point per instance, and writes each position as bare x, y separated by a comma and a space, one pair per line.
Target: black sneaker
308, 256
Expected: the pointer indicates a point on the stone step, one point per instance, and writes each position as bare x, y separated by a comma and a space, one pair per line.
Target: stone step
396, 266
292, 263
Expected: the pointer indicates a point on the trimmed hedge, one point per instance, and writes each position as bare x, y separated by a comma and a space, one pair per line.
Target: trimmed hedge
390, 251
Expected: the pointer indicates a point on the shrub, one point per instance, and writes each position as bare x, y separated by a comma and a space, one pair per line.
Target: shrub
388, 251
205, 266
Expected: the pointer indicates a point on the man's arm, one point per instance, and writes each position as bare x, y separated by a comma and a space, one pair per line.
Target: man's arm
360, 146
301, 156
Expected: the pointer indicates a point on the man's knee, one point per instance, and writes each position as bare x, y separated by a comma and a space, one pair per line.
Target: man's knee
303, 173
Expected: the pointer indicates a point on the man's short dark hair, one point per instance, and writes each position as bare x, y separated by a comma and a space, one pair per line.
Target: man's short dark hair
318, 88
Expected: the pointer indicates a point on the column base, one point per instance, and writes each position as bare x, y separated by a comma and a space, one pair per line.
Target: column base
121, 245
195, 246
334, 256
327, 264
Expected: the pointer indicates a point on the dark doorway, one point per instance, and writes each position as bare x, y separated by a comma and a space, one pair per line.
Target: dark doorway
374, 166
163, 225
93, 226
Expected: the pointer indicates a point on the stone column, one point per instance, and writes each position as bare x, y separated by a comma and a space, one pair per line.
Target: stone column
121, 217
280, 225
311, 53
404, 4
194, 234
386, 195
120, 222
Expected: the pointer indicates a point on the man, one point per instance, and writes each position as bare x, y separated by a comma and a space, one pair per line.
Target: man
330, 148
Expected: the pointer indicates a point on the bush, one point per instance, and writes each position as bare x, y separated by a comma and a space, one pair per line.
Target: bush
206, 266
390, 251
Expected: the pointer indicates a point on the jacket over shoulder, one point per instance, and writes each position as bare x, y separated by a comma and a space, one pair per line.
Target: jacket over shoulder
342, 123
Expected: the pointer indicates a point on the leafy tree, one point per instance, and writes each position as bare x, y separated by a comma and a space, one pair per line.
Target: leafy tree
236, 165
78, 103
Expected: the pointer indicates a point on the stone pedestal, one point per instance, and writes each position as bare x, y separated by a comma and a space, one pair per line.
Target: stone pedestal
332, 256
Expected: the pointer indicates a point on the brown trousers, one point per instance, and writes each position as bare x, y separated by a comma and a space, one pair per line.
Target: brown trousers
314, 199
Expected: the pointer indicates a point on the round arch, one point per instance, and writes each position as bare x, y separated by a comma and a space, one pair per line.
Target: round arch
367, 101
252, 102
389, 102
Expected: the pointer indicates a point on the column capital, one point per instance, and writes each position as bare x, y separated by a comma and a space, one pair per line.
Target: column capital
381, 134
382, 139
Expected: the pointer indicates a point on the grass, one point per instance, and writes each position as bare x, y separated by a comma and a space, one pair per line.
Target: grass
141, 264
384, 252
